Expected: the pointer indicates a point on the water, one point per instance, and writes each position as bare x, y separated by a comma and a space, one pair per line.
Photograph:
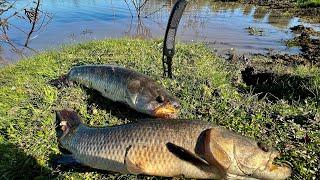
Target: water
221, 26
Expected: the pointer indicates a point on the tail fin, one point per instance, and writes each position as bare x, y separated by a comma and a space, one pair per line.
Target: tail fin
61, 81
66, 121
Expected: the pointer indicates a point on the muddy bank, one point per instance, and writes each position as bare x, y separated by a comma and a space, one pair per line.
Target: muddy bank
308, 41
308, 11
274, 76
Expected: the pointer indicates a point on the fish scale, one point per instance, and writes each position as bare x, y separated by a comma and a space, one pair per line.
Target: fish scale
194, 149
106, 82
106, 148
119, 84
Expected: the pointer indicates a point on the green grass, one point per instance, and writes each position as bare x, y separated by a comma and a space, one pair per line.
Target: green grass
209, 88
309, 3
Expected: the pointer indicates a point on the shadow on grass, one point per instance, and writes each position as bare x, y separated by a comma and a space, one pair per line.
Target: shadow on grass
276, 87
120, 110
16, 164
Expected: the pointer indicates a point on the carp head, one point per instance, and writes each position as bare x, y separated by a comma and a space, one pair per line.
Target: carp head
241, 157
153, 99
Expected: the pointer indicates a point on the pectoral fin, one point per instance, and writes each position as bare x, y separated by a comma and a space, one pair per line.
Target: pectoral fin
66, 160
194, 159
186, 155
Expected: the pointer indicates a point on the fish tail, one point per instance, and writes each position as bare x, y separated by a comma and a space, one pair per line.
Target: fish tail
66, 121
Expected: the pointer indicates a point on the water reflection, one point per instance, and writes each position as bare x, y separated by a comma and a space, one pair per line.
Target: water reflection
219, 24
247, 9
260, 12
279, 20
140, 30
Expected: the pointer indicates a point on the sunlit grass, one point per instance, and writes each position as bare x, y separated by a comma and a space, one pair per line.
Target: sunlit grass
309, 3
209, 88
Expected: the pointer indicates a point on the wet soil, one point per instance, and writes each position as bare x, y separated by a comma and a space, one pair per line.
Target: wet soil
273, 86
308, 41
305, 12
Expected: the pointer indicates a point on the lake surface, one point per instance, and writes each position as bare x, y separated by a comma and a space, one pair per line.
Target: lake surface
221, 26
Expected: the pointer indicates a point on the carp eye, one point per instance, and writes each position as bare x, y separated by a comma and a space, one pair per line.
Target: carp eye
160, 99
263, 147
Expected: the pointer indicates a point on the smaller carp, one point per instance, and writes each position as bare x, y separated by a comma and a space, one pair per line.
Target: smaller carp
193, 149
119, 84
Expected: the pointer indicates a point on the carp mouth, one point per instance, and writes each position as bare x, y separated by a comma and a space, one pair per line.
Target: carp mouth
273, 170
167, 110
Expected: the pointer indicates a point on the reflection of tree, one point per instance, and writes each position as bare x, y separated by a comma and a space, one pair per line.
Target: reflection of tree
196, 22
224, 6
279, 19
2, 60
247, 9
31, 14
140, 31
260, 13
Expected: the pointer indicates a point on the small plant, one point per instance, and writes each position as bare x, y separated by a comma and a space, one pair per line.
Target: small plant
255, 31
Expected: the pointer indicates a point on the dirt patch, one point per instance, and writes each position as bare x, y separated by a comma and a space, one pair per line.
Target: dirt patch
276, 87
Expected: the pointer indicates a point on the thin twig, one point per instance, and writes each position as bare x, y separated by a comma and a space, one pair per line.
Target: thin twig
129, 8
33, 24
9, 7
155, 11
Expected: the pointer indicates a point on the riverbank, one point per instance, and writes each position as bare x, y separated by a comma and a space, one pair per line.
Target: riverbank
308, 10
279, 107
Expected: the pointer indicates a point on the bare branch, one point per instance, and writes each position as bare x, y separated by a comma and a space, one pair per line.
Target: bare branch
33, 23
31, 15
129, 8
4, 3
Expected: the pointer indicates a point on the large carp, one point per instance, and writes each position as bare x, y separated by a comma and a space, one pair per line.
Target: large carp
119, 84
193, 149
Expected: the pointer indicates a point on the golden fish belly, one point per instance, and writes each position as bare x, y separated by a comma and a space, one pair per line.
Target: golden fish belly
138, 148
